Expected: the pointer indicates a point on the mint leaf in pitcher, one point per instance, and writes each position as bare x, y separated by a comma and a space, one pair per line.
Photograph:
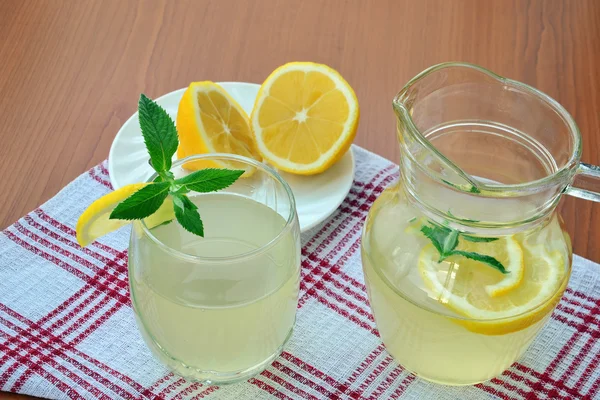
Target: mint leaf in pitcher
446, 240
443, 238
489, 260
476, 239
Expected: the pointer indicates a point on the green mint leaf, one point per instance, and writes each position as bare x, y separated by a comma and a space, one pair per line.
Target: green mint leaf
177, 201
428, 231
478, 238
160, 134
451, 184
443, 238
142, 203
450, 242
472, 189
489, 260
187, 215
210, 179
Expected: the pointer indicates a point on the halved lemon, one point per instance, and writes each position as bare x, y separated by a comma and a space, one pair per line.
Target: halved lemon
475, 290
209, 120
305, 117
95, 222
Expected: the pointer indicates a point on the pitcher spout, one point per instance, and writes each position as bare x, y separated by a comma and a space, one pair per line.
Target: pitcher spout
479, 134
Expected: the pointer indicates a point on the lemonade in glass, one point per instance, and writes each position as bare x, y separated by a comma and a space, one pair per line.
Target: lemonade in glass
465, 257
219, 308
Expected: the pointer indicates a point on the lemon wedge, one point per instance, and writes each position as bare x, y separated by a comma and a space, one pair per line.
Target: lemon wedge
94, 222
209, 120
305, 117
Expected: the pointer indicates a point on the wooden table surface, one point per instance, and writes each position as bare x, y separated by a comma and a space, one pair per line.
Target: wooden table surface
71, 71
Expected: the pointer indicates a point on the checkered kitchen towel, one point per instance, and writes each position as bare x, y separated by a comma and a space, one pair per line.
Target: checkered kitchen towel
67, 329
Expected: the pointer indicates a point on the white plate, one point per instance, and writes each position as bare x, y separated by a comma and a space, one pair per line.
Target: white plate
317, 196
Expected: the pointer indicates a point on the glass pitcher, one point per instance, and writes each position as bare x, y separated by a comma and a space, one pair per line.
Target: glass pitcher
465, 257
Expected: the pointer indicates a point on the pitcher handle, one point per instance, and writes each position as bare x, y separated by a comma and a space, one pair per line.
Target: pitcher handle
586, 183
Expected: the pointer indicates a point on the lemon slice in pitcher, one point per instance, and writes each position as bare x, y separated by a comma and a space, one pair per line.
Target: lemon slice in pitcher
506, 250
475, 290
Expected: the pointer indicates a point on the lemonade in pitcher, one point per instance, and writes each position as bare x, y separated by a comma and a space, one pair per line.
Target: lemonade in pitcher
458, 321
466, 257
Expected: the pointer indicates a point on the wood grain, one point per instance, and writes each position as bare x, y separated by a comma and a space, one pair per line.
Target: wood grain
71, 71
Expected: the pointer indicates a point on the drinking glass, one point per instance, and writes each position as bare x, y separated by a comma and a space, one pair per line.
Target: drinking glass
219, 309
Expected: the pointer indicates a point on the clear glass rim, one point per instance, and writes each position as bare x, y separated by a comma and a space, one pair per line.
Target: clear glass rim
228, 157
562, 176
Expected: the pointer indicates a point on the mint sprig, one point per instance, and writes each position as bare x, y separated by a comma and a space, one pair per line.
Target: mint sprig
160, 137
445, 240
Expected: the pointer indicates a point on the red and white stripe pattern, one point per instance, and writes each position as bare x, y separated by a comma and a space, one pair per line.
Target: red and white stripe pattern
67, 329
